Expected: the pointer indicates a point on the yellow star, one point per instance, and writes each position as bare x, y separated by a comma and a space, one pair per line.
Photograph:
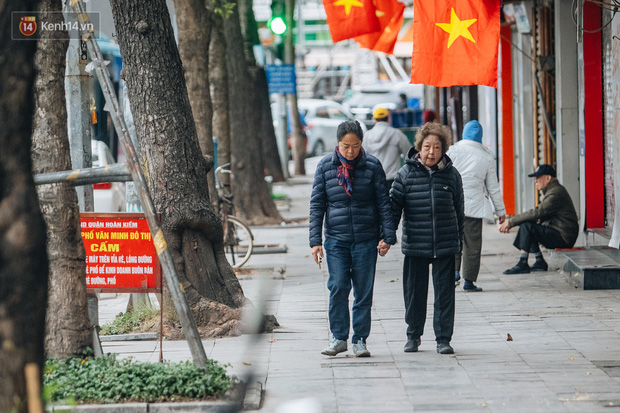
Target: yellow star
348, 4
457, 28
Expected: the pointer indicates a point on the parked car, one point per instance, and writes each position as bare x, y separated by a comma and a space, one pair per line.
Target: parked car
386, 94
108, 196
322, 120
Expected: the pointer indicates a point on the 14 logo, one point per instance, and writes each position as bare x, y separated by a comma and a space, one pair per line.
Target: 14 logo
28, 25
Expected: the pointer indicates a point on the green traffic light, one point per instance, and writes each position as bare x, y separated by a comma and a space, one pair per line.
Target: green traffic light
277, 25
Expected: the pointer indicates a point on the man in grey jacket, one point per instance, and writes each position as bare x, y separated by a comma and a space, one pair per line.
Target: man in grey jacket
553, 223
476, 164
386, 143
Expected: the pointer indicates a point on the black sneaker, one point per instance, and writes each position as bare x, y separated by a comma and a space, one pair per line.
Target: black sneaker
444, 348
412, 345
520, 268
539, 265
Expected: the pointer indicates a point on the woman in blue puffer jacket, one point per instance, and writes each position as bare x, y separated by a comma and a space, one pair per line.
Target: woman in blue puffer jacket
428, 191
350, 200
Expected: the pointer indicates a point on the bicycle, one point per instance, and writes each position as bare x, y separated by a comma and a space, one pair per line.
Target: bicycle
238, 239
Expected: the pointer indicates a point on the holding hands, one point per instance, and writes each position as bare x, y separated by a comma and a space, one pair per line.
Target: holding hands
383, 248
317, 251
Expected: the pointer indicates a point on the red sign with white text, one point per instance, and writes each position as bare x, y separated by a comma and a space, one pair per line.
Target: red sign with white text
120, 255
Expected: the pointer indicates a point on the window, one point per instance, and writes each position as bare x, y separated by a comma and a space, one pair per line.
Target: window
335, 113
322, 113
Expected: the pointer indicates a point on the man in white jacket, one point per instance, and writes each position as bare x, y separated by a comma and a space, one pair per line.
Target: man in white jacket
476, 164
386, 143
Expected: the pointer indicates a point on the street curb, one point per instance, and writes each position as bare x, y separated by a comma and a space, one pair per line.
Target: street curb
130, 337
253, 396
149, 407
270, 249
285, 226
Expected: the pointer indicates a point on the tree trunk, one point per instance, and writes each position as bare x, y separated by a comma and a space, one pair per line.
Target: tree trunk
23, 259
175, 167
252, 198
194, 26
299, 143
269, 142
68, 328
218, 82
267, 134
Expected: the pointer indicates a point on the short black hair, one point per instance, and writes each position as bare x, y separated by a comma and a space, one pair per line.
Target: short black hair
350, 126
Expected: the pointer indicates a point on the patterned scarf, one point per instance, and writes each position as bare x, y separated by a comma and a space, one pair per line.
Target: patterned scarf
345, 179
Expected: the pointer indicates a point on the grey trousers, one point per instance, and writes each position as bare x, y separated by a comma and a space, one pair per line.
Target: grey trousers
472, 247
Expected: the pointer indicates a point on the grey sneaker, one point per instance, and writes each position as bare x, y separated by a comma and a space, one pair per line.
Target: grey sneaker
335, 346
360, 350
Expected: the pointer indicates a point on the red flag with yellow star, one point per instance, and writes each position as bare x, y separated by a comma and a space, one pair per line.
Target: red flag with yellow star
391, 17
455, 42
350, 18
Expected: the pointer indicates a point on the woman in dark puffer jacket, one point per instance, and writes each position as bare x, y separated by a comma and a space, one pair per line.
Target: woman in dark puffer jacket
429, 191
350, 195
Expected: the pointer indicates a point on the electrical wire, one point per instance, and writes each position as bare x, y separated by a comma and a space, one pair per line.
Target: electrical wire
517, 47
615, 6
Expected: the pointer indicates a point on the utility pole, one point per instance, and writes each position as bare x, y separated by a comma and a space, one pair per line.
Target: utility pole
77, 94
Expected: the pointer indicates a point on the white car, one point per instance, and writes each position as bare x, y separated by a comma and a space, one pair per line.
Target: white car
386, 94
109, 196
322, 119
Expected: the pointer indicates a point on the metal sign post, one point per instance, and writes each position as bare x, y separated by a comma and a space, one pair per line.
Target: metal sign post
282, 80
77, 88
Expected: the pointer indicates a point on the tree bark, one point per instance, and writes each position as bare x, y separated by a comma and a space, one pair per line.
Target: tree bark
299, 143
68, 328
267, 134
269, 142
194, 27
175, 167
218, 82
252, 197
23, 259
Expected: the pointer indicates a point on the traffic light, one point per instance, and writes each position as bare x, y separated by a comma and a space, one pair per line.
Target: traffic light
277, 23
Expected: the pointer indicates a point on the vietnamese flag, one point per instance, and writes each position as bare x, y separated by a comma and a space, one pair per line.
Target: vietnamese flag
455, 42
350, 18
391, 17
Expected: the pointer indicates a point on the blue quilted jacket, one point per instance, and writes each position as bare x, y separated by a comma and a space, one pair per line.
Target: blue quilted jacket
363, 216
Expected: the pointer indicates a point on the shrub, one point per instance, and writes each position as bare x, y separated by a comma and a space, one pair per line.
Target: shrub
129, 322
107, 380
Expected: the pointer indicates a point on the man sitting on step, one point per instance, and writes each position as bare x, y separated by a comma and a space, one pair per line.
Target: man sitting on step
553, 223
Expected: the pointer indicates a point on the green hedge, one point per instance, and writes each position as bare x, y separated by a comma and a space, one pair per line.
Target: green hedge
107, 380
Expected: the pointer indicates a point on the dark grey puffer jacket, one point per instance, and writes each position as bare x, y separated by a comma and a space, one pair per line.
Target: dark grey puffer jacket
433, 207
363, 216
